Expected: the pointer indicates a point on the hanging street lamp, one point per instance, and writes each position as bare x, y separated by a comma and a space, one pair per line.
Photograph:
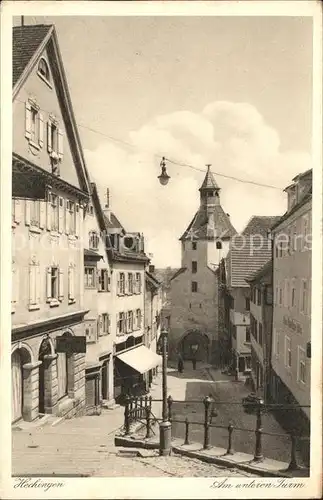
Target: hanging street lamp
163, 177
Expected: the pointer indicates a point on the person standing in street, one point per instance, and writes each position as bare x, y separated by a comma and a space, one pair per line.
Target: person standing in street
180, 363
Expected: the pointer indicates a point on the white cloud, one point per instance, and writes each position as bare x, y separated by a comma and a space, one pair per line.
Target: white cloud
232, 136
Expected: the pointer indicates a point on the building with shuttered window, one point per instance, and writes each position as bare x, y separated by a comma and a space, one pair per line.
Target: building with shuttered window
50, 191
132, 359
292, 277
98, 301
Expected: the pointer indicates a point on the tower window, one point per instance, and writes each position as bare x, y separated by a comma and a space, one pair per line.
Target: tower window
194, 266
210, 194
194, 286
218, 245
194, 245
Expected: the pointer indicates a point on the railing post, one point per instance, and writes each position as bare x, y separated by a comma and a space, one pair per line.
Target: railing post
293, 465
207, 403
258, 450
127, 415
230, 450
148, 434
186, 431
169, 404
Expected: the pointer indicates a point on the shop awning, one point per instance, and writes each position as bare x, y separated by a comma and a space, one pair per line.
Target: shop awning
140, 359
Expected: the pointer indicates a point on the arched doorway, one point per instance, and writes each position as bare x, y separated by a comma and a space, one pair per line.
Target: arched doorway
19, 357
195, 344
44, 350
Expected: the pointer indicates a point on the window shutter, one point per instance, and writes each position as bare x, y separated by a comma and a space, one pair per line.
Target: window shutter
60, 284
28, 120
49, 283
48, 211
27, 212
100, 324
61, 222
117, 323
77, 219
41, 129
71, 283
126, 322
38, 284
60, 144
49, 137
42, 214
126, 282
32, 285
118, 285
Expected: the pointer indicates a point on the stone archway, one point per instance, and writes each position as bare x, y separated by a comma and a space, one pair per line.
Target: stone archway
195, 344
20, 383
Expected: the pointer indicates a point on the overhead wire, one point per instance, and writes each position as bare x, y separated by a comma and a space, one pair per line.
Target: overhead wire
172, 161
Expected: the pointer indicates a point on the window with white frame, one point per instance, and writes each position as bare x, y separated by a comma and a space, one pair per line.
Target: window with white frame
130, 321
90, 331
93, 240
54, 209
121, 284
71, 283
34, 124
54, 139
103, 285
138, 283
138, 318
130, 283
55, 284
293, 294
304, 297
43, 70
288, 352
121, 327
104, 324
301, 365
89, 277
70, 217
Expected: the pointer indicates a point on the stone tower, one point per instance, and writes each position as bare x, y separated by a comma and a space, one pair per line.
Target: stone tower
194, 287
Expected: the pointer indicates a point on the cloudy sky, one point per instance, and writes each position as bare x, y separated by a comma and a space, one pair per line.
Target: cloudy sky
231, 91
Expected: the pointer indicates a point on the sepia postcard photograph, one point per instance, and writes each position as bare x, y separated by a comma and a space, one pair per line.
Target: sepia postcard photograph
161, 249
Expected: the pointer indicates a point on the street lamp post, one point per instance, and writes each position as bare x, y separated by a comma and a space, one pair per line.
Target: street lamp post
165, 425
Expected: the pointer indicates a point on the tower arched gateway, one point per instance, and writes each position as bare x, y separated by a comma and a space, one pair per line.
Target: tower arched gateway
194, 293
195, 344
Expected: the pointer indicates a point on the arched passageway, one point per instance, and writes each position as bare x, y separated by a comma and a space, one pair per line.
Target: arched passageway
19, 358
195, 344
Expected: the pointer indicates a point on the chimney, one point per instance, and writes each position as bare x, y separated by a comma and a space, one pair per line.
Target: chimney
151, 269
107, 211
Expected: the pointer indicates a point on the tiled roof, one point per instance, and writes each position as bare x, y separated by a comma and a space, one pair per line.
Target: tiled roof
202, 226
250, 250
266, 269
260, 224
91, 254
26, 40
113, 223
247, 256
209, 181
178, 272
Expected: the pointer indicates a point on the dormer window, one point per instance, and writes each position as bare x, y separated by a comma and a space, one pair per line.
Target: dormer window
43, 70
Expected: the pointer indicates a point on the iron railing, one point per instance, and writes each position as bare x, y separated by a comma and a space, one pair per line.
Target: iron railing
141, 409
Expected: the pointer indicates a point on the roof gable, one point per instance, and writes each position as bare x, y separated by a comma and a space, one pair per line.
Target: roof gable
30, 43
260, 224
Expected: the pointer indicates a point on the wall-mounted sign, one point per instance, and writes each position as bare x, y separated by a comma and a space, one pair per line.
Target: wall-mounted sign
292, 324
71, 345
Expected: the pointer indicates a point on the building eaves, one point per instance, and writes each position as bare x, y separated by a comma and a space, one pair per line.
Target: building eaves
178, 272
